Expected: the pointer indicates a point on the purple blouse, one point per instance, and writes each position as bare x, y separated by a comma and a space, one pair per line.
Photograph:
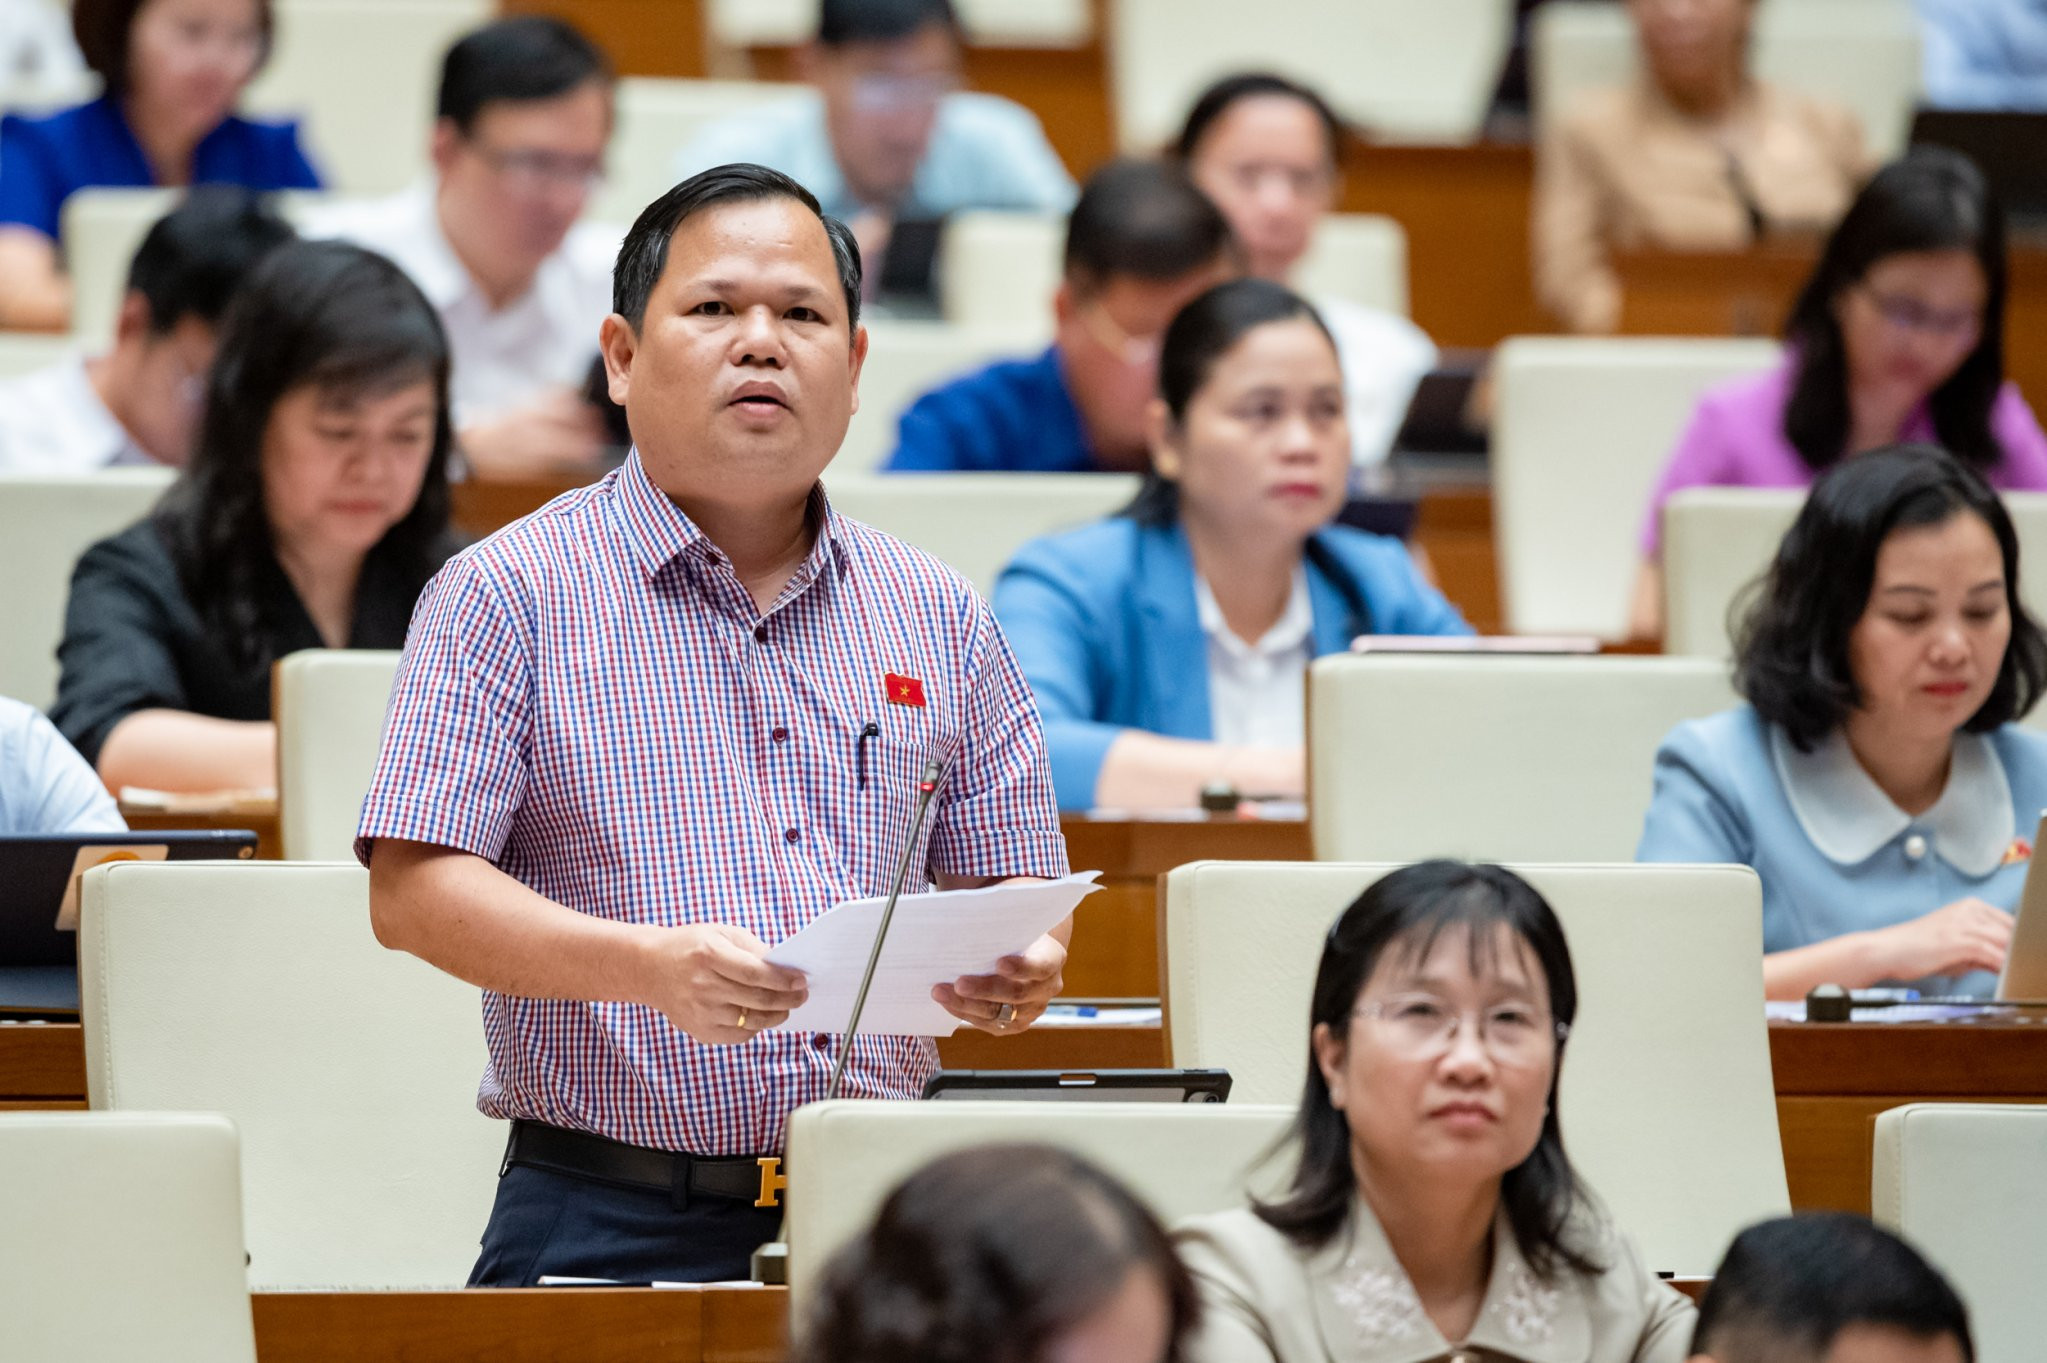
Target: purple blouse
1736, 439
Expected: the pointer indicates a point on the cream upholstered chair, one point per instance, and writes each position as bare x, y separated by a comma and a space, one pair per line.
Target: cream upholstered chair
257, 990
364, 136
1668, 1067
1413, 72
1570, 489
1000, 269
998, 23
1962, 1182
330, 707
906, 360
1863, 54
657, 116
101, 228
46, 522
24, 352
975, 522
1501, 757
1358, 257
123, 1239
1182, 1159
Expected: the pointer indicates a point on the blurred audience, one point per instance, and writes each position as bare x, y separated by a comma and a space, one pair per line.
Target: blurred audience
494, 241
1268, 152
1898, 335
1168, 646
1876, 779
1142, 241
37, 50
1828, 1287
139, 402
1003, 1254
888, 135
1984, 54
45, 786
1433, 1213
313, 511
173, 72
1694, 155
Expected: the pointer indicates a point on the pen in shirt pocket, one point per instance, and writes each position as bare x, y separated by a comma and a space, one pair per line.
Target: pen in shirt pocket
868, 730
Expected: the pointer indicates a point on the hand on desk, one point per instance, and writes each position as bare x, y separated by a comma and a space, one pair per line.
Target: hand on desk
715, 985
1964, 936
1026, 982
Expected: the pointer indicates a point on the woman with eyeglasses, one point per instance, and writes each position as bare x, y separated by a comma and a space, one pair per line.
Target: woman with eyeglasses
1433, 1214
1898, 336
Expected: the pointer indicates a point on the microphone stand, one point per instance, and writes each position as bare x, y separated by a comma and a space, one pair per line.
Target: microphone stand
771, 1261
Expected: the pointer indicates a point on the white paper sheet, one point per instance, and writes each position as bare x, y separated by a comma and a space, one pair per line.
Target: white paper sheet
933, 939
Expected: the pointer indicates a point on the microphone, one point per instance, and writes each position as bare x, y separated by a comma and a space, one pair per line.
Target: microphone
1832, 1003
932, 772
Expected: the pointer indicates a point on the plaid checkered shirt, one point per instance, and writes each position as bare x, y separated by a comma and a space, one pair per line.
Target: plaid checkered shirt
590, 700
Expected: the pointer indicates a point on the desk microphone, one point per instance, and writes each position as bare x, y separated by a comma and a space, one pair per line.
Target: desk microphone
932, 772
1832, 1003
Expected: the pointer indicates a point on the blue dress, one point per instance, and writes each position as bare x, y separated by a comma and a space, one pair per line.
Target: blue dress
45, 160
1834, 854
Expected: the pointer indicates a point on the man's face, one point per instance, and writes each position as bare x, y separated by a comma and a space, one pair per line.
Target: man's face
515, 183
743, 374
881, 101
166, 394
1109, 335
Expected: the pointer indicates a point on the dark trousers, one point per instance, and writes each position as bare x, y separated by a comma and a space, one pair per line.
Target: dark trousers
544, 1223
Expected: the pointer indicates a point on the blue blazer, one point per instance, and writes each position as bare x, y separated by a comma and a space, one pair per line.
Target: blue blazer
1102, 620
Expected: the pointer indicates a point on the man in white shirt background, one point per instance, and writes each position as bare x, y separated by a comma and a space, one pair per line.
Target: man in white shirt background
494, 241
139, 402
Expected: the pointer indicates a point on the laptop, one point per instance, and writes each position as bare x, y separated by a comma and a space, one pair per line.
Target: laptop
1083, 1086
39, 900
2025, 966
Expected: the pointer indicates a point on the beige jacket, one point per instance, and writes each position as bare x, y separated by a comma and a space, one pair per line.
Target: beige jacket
1623, 169
1265, 1300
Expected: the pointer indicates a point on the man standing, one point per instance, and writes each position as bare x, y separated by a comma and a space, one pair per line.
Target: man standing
647, 731
495, 245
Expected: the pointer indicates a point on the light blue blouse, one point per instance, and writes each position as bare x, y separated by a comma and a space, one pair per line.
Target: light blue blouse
1834, 854
45, 786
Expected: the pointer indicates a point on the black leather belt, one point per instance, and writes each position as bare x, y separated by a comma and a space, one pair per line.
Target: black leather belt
756, 1179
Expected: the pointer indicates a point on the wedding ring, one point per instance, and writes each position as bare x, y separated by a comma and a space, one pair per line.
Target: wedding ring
741, 1024
1005, 1015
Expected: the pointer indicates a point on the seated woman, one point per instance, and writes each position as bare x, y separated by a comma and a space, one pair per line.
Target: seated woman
1875, 779
1004, 1254
1694, 155
1268, 152
1167, 645
173, 70
314, 510
1898, 335
1433, 1214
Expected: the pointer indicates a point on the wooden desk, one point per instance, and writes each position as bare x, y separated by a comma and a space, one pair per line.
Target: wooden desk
258, 816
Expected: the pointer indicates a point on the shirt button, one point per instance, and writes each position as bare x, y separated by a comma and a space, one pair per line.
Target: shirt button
1915, 847
780, 735
790, 835
760, 634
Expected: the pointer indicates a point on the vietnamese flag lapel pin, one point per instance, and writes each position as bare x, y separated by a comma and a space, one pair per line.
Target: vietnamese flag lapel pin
903, 690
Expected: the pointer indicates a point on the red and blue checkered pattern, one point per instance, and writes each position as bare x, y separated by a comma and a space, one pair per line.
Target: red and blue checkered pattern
590, 700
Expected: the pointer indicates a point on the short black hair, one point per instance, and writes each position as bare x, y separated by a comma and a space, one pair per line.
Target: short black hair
195, 256
1145, 220
881, 21
105, 29
644, 254
1406, 912
1218, 98
1789, 1286
527, 57
1793, 625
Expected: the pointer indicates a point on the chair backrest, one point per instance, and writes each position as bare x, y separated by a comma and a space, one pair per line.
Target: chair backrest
975, 522
330, 720
906, 360
123, 1238
1405, 71
992, 23
1358, 257
257, 989
1668, 1066
101, 229
657, 117
1504, 758
1862, 54
1181, 1159
1962, 1182
1000, 269
24, 352
1582, 427
46, 522
365, 136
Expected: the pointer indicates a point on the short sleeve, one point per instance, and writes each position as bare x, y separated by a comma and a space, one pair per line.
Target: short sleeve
1692, 817
31, 189
1030, 175
1057, 638
455, 765
48, 788
119, 651
1574, 277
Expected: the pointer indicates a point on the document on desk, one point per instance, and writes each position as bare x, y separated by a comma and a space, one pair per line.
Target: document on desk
934, 938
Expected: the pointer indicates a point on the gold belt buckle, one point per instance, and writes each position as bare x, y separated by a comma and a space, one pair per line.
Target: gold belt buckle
773, 1181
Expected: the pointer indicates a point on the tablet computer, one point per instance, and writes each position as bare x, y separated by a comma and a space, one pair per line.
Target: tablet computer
1083, 1086
39, 881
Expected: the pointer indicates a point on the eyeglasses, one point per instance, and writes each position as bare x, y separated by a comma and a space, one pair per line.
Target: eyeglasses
1135, 351
1425, 1028
1909, 314
529, 171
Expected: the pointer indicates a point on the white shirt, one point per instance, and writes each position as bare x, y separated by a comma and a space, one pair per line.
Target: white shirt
53, 421
503, 357
1384, 357
1257, 693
